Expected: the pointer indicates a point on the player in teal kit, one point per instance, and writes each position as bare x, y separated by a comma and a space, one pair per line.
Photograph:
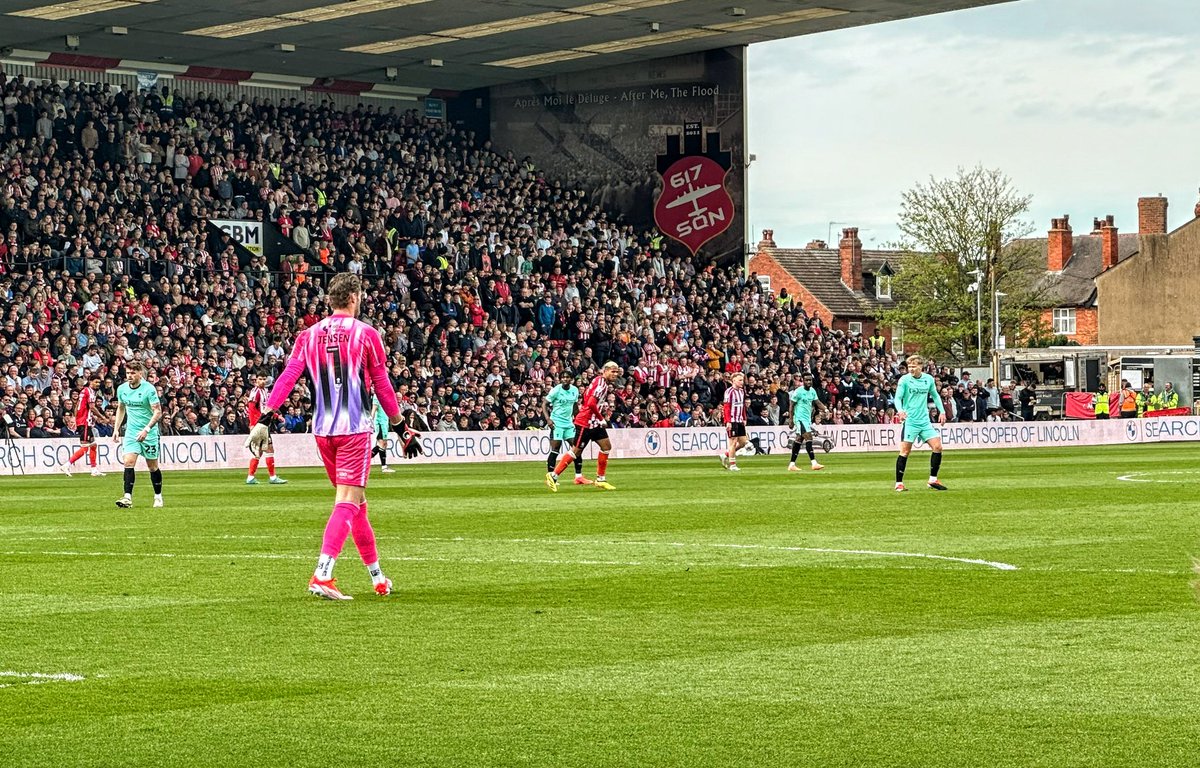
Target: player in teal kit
562, 403
137, 400
913, 394
803, 399
382, 428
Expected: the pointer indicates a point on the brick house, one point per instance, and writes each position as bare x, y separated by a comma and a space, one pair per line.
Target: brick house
1073, 262
843, 286
1150, 298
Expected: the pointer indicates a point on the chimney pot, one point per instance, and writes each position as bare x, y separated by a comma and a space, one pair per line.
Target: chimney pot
1109, 245
1059, 245
1152, 215
850, 256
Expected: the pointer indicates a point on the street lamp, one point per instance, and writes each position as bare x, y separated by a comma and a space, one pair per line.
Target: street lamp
977, 288
996, 335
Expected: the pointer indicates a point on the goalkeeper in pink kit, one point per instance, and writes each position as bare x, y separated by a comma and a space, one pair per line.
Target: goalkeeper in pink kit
345, 359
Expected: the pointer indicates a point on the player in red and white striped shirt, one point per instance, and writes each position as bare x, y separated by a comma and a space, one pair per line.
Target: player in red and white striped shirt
592, 420
735, 421
255, 402
87, 414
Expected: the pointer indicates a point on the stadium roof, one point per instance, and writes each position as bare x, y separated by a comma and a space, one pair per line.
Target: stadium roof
451, 45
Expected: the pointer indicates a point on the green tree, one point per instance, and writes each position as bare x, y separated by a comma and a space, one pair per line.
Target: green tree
951, 228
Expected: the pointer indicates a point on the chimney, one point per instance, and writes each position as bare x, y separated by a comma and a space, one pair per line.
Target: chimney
850, 254
1059, 244
1108, 244
820, 245
768, 239
1152, 215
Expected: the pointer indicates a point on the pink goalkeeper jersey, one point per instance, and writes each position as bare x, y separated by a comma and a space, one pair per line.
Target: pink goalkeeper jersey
344, 358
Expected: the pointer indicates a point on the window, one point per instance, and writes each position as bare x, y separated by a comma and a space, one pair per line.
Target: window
855, 328
765, 282
883, 287
897, 338
1064, 321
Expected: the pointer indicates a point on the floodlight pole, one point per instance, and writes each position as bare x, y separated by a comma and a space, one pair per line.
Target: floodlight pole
978, 316
996, 296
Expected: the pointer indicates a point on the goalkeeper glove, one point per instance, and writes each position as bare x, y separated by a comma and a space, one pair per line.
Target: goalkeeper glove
411, 441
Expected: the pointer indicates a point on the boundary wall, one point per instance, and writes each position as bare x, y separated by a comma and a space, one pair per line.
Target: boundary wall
45, 456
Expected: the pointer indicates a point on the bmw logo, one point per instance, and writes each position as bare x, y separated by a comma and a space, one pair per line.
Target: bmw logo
1131, 431
653, 444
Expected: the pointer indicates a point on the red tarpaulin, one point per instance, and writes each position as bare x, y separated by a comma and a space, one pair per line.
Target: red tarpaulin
1079, 405
1168, 412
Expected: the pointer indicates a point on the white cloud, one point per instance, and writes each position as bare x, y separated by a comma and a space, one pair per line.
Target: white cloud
1085, 117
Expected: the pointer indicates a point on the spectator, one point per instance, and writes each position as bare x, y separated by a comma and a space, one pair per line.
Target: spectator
1028, 400
486, 275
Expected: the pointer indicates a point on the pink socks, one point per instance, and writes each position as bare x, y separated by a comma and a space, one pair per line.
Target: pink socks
340, 523
364, 536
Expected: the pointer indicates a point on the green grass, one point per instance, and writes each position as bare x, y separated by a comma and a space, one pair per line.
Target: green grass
683, 620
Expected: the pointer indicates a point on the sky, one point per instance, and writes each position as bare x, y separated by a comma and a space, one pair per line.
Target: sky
1086, 104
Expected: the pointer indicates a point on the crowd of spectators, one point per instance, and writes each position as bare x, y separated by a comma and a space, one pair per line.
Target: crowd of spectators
485, 277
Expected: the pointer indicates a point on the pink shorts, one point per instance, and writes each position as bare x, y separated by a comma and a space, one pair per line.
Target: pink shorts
347, 458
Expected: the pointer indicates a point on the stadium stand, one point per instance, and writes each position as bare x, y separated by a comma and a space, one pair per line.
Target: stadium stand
486, 277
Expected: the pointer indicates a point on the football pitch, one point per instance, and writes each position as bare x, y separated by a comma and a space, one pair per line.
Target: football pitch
1038, 613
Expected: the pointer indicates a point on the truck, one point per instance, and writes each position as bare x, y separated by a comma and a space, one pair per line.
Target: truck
1058, 370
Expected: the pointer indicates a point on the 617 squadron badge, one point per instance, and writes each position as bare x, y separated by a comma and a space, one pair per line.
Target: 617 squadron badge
694, 206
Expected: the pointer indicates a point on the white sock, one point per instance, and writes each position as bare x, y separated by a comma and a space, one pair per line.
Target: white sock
249, 477
933, 478
814, 462
578, 474
376, 572
324, 570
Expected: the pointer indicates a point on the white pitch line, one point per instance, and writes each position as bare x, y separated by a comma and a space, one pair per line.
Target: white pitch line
767, 547
1140, 477
631, 563
269, 556
180, 555
39, 678
876, 553
173, 537
676, 544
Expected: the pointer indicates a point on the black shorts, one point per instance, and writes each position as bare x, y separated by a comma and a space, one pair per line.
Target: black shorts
737, 429
589, 435
86, 436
